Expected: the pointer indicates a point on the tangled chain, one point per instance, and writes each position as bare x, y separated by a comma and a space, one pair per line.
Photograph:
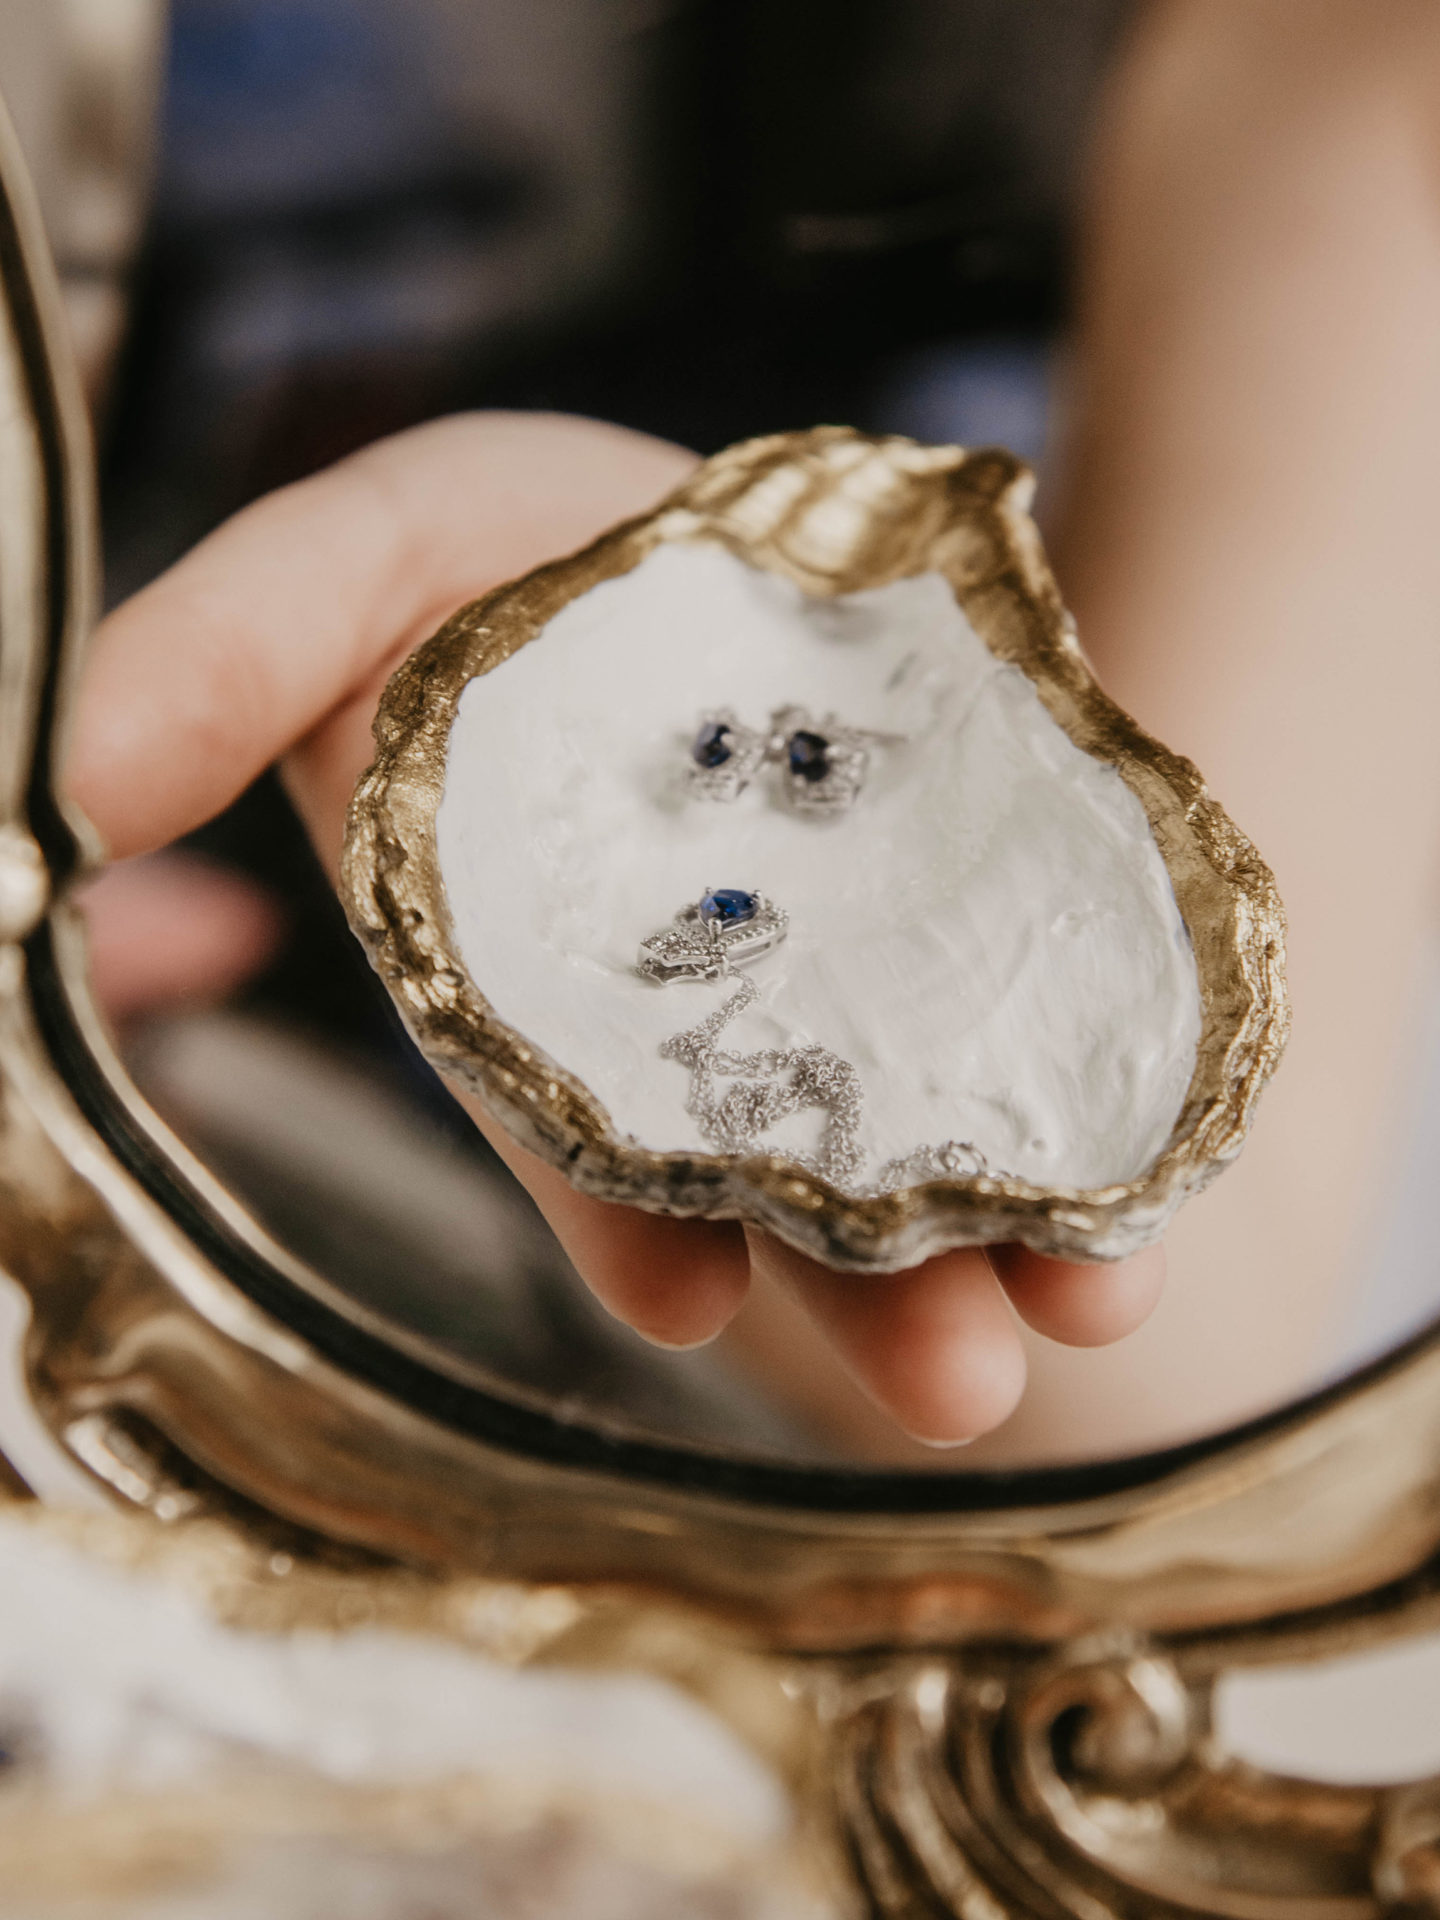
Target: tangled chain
775, 1082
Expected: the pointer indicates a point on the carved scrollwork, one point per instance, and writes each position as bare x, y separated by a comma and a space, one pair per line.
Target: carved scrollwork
992, 1787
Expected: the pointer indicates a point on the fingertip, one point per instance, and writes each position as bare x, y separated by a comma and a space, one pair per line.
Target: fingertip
677, 1293
677, 1283
936, 1347
957, 1368
1080, 1304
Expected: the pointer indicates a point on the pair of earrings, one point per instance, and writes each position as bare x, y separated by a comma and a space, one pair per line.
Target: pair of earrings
822, 764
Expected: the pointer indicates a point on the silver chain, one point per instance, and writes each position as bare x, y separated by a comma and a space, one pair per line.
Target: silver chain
774, 1082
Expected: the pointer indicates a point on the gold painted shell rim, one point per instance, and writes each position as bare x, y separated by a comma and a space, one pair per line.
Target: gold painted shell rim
834, 511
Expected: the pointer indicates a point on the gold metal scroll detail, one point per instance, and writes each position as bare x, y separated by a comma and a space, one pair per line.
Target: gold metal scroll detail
833, 511
1090, 1789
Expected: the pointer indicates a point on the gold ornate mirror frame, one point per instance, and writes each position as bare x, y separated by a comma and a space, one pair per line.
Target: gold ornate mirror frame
996, 1684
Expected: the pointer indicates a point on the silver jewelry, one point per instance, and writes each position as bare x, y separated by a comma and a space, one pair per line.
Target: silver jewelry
724, 929
768, 1086
954, 1160
724, 756
822, 763
773, 1083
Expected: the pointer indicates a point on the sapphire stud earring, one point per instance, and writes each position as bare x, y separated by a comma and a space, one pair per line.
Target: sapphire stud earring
823, 763
724, 756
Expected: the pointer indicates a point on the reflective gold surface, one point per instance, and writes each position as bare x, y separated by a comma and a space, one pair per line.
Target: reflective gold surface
833, 511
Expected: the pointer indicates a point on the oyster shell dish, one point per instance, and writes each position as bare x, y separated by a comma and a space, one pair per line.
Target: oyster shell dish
1051, 966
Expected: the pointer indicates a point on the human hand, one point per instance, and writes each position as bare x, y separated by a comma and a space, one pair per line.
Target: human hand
273, 640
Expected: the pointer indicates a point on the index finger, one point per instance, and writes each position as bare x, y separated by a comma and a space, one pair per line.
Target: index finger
217, 668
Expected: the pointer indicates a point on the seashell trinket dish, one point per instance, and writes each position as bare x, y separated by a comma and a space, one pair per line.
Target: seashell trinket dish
778, 858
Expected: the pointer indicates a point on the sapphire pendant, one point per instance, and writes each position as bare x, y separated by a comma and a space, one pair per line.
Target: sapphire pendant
725, 928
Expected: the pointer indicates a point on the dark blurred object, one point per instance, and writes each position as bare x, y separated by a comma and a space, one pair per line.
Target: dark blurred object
706, 218
844, 184
173, 929
357, 199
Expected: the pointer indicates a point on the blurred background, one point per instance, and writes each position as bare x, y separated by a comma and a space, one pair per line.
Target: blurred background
703, 220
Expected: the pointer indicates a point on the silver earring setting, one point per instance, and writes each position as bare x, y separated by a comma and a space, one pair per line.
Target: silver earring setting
822, 763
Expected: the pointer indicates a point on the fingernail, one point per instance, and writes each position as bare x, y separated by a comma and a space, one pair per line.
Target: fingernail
677, 1346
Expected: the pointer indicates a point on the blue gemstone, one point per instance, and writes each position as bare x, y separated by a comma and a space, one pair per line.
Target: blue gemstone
711, 746
728, 907
808, 754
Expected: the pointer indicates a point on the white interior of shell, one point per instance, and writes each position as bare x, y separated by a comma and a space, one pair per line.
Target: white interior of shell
988, 935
